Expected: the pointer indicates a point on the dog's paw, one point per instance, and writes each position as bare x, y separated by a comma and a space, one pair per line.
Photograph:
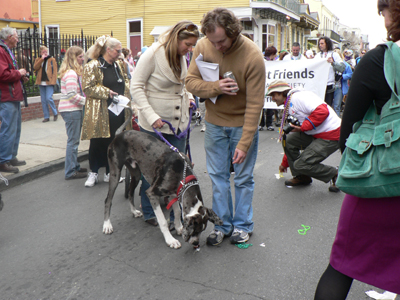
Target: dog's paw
174, 244
179, 230
137, 213
107, 227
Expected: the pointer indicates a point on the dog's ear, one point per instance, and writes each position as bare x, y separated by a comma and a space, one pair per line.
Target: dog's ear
213, 217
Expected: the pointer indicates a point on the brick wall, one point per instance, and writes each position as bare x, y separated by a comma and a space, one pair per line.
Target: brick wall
34, 109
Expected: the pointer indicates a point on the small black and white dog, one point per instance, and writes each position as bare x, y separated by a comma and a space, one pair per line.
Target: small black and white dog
166, 171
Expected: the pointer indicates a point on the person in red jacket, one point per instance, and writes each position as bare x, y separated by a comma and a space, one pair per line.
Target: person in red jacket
11, 95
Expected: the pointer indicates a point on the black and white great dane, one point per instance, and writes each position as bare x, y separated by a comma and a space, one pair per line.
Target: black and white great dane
165, 170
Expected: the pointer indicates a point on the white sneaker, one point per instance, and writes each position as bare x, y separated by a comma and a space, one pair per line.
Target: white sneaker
203, 128
107, 178
92, 179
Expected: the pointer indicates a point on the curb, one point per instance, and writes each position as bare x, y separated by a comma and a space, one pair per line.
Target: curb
39, 171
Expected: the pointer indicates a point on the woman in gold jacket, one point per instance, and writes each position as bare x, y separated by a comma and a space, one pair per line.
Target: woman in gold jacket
103, 79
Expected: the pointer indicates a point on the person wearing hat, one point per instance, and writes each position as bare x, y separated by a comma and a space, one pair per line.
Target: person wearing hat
317, 135
348, 57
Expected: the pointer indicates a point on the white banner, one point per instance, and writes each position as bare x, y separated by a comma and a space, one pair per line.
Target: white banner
309, 74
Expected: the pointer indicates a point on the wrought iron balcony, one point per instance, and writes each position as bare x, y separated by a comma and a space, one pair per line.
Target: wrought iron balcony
293, 5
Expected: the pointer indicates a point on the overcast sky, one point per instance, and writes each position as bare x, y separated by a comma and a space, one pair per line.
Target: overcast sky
362, 14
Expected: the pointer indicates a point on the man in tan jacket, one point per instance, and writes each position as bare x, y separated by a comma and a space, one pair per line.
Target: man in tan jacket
232, 121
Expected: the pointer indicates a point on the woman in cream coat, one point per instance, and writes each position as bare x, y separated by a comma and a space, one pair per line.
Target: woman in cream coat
158, 90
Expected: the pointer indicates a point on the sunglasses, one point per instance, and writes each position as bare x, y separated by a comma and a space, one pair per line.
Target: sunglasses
119, 51
190, 27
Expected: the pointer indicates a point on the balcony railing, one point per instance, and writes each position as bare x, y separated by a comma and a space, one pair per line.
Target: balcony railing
293, 5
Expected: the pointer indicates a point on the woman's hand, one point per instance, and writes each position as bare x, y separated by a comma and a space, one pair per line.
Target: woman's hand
158, 124
192, 103
112, 94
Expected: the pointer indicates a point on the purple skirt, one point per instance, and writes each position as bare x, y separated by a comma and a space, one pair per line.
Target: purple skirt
367, 243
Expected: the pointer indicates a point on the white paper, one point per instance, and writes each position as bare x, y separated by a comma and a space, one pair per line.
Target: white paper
385, 296
119, 108
209, 71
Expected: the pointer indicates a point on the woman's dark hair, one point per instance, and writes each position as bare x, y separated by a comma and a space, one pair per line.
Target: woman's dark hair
125, 51
394, 29
271, 50
221, 17
382, 4
328, 42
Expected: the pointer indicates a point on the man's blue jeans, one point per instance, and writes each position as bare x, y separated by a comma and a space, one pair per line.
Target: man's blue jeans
10, 131
220, 144
73, 126
46, 97
337, 100
147, 209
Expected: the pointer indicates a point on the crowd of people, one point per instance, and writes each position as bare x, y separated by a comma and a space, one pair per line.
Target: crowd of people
166, 81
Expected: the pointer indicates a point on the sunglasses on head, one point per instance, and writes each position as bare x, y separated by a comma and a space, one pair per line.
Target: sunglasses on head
191, 27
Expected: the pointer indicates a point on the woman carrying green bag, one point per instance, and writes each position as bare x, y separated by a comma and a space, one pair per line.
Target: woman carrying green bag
367, 243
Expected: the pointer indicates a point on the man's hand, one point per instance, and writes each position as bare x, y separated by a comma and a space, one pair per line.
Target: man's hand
226, 85
282, 169
22, 72
239, 156
295, 128
330, 60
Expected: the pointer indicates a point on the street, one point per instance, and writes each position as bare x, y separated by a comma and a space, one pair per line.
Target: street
52, 245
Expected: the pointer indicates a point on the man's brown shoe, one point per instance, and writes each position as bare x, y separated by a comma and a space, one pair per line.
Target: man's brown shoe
7, 167
46, 120
15, 162
55, 117
299, 180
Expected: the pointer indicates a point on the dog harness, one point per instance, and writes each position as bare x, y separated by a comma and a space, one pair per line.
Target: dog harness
183, 186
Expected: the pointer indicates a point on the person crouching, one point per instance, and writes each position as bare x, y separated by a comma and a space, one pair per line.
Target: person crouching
311, 137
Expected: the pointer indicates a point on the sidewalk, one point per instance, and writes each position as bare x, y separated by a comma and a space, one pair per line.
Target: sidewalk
43, 147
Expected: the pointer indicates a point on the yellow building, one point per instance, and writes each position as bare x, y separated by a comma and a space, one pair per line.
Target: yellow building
138, 23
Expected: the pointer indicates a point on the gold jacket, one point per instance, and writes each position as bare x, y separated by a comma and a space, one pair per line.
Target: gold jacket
95, 122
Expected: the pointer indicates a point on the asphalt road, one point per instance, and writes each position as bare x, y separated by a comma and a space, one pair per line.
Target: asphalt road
52, 245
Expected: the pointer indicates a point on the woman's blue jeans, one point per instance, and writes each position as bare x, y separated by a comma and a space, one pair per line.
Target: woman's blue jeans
220, 144
147, 209
73, 126
46, 97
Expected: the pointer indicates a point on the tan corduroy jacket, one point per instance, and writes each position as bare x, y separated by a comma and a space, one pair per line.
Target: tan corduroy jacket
51, 70
245, 60
95, 122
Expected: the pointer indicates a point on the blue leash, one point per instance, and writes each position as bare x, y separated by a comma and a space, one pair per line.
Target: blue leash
184, 133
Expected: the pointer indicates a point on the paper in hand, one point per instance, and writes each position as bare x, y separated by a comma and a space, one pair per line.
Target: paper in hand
209, 71
119, 108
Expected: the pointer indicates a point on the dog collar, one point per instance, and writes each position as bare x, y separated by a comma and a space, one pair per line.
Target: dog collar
183, 183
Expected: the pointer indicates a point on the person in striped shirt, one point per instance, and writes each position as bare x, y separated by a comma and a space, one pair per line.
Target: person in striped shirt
70, 107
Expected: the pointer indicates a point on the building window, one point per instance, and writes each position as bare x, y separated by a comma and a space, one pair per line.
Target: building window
247, 25
268, 36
